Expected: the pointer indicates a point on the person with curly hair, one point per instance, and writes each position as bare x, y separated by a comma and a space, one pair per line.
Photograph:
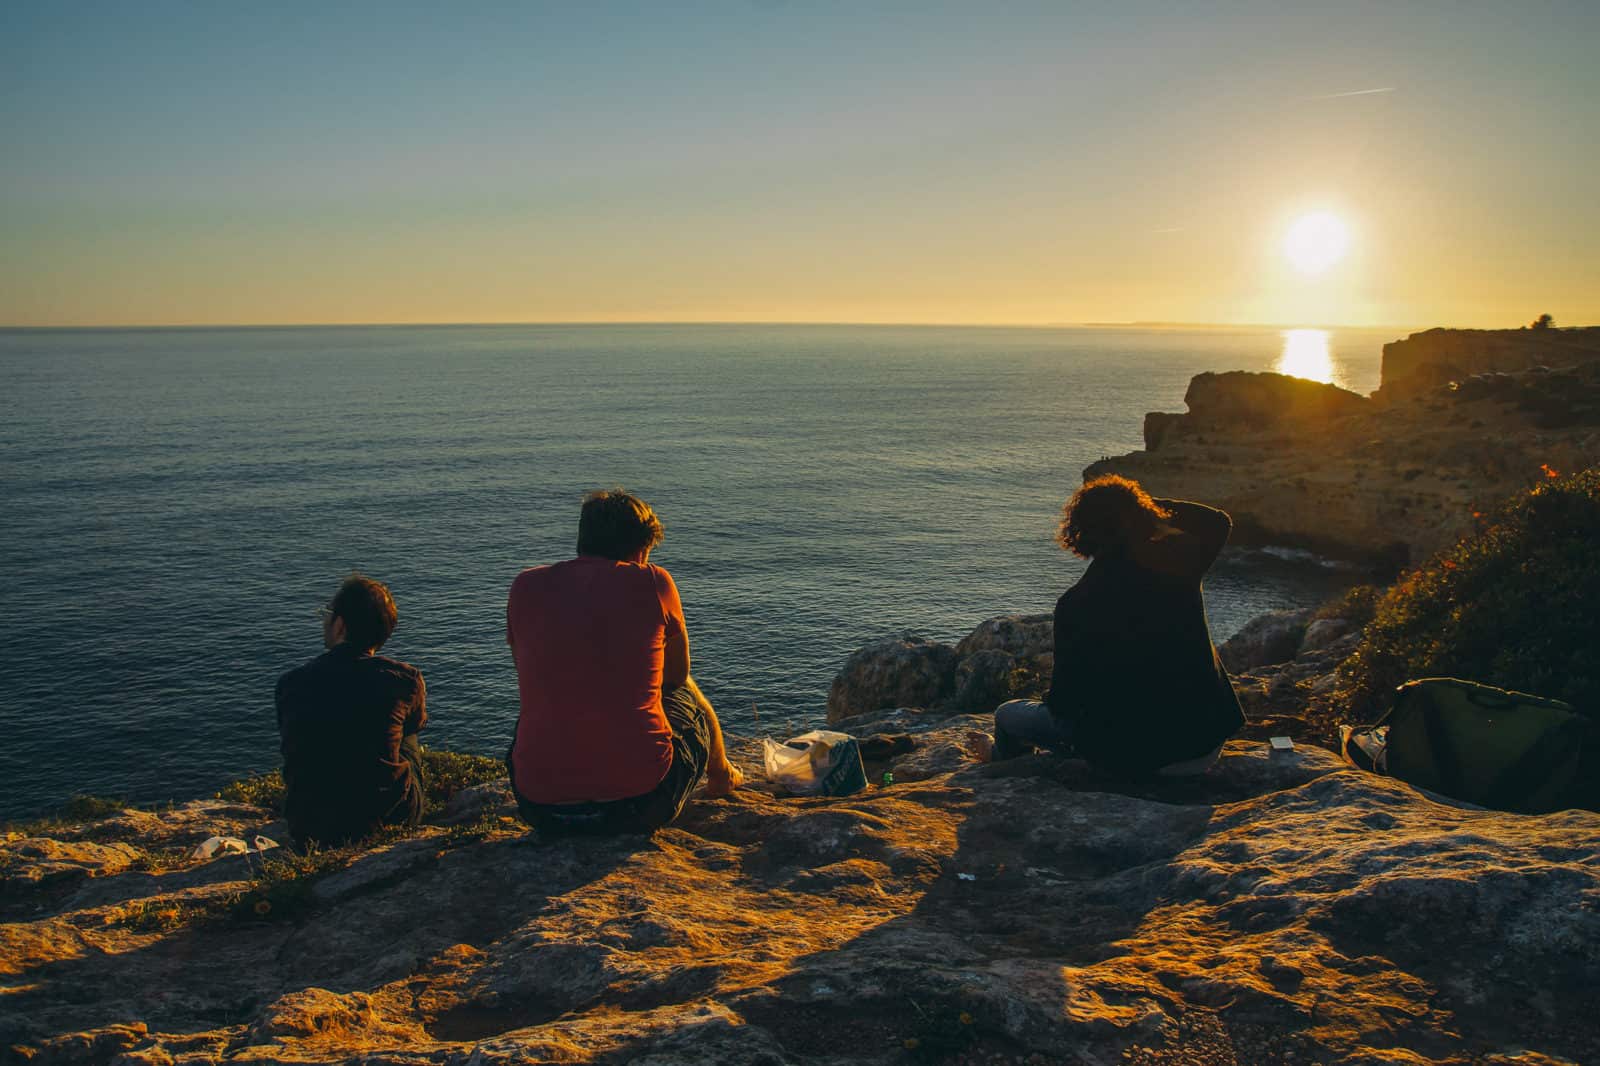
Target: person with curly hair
1137, 686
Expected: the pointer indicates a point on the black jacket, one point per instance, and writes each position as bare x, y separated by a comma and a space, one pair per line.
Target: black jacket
342, 718
1137, 679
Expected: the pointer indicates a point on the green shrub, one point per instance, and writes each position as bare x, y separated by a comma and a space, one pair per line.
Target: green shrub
263, 790
1513, 606
163, 914
1357, 606
82, 808
281, 887
448, 772
77, 810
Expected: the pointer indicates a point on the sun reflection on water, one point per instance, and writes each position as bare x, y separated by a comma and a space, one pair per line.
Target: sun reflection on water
1305, 355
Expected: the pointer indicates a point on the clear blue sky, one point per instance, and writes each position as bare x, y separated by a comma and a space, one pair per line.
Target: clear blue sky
853, 162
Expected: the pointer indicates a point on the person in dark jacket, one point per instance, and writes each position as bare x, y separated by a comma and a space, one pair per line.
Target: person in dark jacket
348, 721
1137, 686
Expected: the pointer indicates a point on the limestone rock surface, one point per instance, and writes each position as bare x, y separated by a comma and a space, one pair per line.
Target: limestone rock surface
898, 671
1464, 419
1434, 357
1004, 657
1273, 637
1281, 908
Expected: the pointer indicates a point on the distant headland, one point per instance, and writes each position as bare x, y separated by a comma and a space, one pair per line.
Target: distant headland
1462, 419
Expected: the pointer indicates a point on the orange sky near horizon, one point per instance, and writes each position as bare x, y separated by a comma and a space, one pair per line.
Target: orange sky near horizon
1040, 166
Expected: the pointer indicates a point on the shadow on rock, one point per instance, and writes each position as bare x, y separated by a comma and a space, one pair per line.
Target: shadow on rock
393, 912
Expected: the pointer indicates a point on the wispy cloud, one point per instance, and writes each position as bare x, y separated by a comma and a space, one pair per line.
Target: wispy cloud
1353, 92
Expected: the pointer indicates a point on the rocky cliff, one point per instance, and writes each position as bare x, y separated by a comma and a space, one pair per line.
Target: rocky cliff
1425, 361
1283, 908
1388, 479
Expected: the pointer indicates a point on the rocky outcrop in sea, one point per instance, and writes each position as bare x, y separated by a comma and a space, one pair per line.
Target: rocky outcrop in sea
1463, 419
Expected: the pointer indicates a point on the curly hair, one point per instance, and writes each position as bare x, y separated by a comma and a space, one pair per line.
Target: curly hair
1101, 515
615, 524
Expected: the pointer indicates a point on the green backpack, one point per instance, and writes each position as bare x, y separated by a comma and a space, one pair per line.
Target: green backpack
1505, 750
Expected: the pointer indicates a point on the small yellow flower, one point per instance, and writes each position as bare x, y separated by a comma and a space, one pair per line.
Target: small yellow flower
263, 907
966, 1019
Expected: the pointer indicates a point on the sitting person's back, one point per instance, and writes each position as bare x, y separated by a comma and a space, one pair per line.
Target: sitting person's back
590, 634
348, 722
613, 734
1137, 686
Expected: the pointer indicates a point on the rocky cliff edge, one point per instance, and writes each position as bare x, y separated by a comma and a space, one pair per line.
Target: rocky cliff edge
1283, 908
1464, 419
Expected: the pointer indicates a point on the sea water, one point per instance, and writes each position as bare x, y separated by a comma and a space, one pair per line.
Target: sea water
177, 504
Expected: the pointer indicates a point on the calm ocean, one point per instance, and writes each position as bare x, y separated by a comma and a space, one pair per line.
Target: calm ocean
178, 502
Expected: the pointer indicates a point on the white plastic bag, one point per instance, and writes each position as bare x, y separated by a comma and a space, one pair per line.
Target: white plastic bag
818, 761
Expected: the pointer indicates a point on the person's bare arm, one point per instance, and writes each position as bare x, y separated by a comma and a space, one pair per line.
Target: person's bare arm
722, 777
1188, 542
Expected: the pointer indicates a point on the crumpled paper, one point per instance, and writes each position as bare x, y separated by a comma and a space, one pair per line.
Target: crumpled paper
211, 847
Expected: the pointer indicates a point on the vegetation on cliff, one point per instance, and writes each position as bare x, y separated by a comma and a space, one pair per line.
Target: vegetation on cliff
1512, 605
444, 774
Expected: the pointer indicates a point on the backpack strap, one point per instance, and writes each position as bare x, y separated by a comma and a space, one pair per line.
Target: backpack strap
1522, 779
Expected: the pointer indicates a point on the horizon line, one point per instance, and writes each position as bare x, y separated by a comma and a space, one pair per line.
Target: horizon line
1127, 324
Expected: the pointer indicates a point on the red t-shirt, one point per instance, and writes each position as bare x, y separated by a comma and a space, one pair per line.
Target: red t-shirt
589, 637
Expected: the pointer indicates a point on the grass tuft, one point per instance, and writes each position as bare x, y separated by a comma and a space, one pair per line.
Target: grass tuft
77, 809
262, 790
447, 772
444, 774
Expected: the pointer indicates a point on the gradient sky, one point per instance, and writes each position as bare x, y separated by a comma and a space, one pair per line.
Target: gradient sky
271, 163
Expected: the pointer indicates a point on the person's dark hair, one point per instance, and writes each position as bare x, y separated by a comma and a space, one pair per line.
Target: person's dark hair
615, 525
367, 609
1104, 514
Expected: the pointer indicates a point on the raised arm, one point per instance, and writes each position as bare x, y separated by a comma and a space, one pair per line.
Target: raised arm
1188, 542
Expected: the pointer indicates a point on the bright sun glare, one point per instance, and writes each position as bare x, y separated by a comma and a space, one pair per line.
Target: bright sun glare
1316, 242
1305, 355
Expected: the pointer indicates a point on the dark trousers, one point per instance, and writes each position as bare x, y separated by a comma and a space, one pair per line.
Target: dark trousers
691, 748
1020, 726
337, 827
409, 810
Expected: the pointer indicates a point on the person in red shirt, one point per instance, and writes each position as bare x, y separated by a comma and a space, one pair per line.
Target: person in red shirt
613, 733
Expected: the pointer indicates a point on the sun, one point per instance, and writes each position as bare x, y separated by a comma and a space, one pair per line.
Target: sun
1316, 242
